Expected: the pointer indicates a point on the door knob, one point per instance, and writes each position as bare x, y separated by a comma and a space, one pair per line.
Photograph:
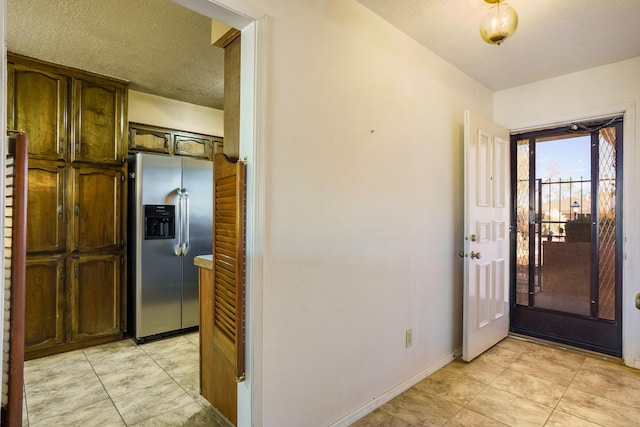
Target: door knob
475, 255
638, 301
461, 254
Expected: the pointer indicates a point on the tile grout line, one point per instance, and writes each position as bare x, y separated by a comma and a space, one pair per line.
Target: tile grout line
105, 389
25, 402
592, 394
173, 379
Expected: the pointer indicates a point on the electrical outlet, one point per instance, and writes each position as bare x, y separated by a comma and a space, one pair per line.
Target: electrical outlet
408, 338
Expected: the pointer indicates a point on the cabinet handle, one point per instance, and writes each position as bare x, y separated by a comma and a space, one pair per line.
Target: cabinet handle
76, 210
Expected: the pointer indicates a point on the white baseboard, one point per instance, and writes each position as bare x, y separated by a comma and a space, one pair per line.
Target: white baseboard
395, 391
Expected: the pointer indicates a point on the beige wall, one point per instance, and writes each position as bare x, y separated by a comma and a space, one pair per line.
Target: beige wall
363, 215
158, 111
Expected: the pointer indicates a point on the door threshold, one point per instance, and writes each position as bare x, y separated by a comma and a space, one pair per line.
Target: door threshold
568, 348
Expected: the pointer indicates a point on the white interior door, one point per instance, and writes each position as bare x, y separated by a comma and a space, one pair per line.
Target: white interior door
486, 233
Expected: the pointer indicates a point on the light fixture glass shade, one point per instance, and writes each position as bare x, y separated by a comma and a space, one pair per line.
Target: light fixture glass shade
501, 22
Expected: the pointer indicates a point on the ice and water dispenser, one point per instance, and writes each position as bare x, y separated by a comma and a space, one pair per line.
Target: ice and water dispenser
159, 222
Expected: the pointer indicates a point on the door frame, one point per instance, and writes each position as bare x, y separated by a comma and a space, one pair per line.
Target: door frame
253, 25
3, 154
594, 334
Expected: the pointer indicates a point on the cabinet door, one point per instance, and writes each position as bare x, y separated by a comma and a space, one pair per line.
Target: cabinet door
36, 105
97, 208
46, 214
44, 302
98, 123
191, 145
144, 139
94, 306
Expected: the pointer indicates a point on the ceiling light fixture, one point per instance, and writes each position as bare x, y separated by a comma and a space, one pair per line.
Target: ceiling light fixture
501, 22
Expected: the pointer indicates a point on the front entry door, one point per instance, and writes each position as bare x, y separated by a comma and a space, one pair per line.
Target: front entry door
486, 246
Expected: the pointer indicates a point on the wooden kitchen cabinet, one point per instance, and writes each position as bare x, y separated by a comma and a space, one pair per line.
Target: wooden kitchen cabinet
94, 304
157, 139
36, 102
193, 145
97, 208
146, 138
76, 219
98, 123
44, 302
46, 216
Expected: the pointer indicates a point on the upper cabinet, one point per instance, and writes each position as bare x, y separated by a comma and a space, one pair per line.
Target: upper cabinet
144, 138
193, 145
37, 104
98, 118
172, 141
69, 115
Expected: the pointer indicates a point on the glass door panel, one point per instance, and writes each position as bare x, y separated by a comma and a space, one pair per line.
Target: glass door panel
607, 223
522, 222
563, 225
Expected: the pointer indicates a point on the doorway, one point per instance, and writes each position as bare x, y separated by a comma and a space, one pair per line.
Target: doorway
252, 121
566, 235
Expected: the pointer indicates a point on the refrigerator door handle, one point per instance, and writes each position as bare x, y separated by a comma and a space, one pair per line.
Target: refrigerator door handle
185, 239
178, 248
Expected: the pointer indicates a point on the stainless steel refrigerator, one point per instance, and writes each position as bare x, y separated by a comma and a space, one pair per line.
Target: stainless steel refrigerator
170, 222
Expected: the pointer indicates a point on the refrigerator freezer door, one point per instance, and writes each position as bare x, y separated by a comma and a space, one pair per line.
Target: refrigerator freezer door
197, 181
158, 275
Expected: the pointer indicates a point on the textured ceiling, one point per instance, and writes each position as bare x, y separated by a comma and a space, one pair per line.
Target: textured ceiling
554, 37
164, 49
160, 47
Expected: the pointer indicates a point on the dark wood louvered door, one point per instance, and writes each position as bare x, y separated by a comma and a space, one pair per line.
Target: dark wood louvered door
223, 330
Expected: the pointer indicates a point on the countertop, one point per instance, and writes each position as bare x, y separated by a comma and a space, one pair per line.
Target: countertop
204, 261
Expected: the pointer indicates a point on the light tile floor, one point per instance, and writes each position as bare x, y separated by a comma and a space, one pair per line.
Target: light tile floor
518, 383
119, 384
